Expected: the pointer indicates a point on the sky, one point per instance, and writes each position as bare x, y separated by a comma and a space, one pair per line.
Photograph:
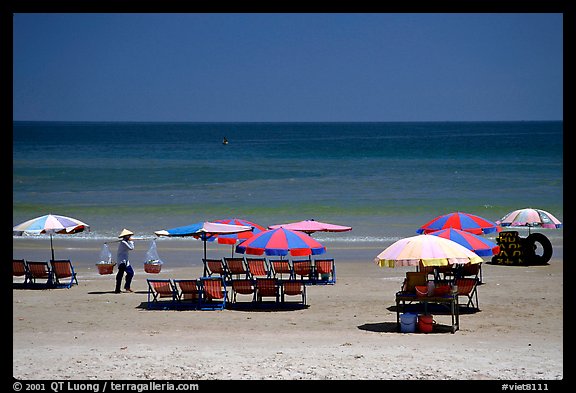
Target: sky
243, 67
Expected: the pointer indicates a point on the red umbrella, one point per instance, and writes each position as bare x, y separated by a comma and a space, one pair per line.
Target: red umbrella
311, 226
462, 221
480, 246
233, 238
281, 242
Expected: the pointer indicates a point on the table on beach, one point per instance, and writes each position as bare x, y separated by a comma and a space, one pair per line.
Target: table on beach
450, 299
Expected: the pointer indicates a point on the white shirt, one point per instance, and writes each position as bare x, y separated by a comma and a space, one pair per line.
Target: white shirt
124, 247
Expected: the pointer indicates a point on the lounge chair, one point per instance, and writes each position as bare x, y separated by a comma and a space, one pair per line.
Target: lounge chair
258, 267
325, 271
20, 269
39, 270
243, 287
294, 288
281, 267
236, 267
214, 293
188, 293
468, 287
303, 269
267, 287
214, 266
473, 270
62, 269
159, 289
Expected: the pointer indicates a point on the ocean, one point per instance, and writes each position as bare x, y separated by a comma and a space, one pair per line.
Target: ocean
383, 179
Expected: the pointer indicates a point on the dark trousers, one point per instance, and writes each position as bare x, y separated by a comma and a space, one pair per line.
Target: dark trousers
129, 274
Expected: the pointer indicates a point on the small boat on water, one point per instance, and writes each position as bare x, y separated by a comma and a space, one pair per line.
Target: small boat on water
224, 141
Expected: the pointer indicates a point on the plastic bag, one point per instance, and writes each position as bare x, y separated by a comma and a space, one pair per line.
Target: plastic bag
152, 256
105, 255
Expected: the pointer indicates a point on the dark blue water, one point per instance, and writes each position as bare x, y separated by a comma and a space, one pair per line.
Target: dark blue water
384, 179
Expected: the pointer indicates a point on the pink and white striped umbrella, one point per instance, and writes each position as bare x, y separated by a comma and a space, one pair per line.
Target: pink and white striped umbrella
529, 217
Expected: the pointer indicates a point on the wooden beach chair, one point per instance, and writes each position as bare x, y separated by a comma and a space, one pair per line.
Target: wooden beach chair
20, 269
243, 287
325, 271
63, 269
188, 293
294, 288
258, 267
39, 270
159, 289
214, 293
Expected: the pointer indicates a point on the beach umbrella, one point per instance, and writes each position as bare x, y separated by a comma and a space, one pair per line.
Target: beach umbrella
233, 238
529, 217
281, 242
459, 220
50, 224
311, 226
477, 244
204, 231
426, 249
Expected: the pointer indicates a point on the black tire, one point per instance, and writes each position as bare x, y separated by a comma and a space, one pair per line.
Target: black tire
530, 247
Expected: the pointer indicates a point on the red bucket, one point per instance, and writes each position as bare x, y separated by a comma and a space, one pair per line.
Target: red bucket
421, 290
425, 323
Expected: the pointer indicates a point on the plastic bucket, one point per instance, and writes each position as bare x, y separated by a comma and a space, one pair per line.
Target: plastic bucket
408, 323
425, 323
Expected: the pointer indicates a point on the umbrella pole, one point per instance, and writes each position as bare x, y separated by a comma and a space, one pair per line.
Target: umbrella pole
51, 247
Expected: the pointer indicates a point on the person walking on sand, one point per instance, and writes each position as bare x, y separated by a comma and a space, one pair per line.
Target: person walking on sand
126, 245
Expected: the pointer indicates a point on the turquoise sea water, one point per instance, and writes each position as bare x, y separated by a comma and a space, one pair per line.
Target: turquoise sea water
383, 179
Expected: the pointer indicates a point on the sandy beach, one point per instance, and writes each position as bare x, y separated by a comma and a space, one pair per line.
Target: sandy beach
348, 331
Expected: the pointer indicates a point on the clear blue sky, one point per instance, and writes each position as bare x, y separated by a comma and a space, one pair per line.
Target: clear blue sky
288, 67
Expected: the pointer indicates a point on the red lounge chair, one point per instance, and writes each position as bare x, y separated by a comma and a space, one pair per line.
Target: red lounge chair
20, 269
257, 267
236, 267
214, 266
325, 270
267, 287
214, 293
468, 287
39, 270
189, 293
302, 269
294, 288
63, 269
243, 287
161, 289
280, 267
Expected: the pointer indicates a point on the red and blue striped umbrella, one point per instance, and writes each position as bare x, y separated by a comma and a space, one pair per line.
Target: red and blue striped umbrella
479, 245
233, 238
281, 242
462, 221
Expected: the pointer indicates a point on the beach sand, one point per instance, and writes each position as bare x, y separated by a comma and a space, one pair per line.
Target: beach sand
348, 331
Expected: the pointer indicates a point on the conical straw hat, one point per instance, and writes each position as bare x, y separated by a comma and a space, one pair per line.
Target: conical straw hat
125, 232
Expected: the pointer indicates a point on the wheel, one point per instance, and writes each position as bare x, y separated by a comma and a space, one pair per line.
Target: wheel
530, 249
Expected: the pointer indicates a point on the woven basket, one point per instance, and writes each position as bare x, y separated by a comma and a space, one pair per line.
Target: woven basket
105, 268
153, 268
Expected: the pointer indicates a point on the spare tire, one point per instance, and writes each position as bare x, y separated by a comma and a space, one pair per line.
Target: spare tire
530, 255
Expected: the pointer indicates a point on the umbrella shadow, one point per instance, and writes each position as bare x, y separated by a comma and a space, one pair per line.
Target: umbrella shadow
240, 306
114, 293
392, 327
